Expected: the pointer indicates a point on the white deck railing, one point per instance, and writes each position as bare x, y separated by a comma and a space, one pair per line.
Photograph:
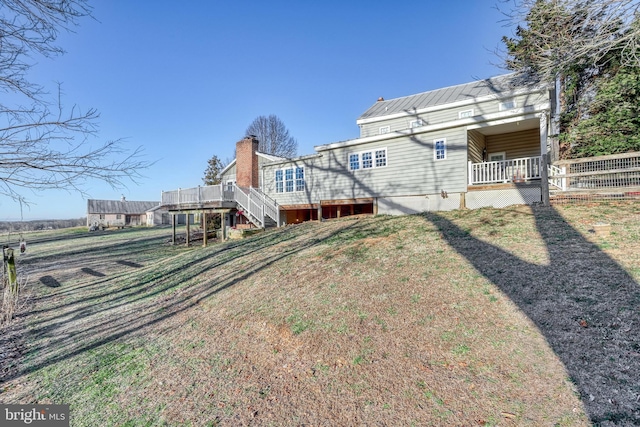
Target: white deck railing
209, 193
514, 170
255, 203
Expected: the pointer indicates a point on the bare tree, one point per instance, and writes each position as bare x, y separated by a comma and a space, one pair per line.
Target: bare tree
573, 32
42, 145
273, 136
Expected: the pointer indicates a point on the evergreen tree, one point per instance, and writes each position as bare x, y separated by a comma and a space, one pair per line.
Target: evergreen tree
613, 122
211, 174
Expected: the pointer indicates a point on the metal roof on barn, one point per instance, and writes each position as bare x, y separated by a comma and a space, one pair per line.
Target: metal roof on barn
126, 207
499, 85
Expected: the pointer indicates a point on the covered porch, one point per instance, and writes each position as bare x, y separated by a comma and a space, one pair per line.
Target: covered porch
506, 152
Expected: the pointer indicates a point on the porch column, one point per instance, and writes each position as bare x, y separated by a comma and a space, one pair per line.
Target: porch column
544, 162
543, 133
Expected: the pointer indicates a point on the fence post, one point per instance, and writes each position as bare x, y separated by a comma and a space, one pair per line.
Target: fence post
564, 178
544, 182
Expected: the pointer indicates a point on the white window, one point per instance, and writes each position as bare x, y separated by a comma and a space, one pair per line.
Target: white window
385, 129
354, 161
368, 159
279, 182
416, 123
299, 179
507, 104
440, 149
466, 113
496, 157
381, 158
289, 180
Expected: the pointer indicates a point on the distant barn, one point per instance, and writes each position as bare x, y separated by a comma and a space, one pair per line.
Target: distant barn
125, 213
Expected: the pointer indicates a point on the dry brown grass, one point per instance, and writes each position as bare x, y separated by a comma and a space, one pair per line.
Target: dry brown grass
460, 318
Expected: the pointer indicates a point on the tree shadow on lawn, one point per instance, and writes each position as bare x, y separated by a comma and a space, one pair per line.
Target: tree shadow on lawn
583, 302
65, 329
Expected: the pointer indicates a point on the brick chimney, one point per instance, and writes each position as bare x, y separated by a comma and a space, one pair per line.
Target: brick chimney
247, 162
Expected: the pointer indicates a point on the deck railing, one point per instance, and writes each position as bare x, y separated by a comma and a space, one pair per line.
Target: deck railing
208, 193
255, 203
514, 170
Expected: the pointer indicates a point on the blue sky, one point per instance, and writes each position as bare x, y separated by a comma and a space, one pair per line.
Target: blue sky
185, 79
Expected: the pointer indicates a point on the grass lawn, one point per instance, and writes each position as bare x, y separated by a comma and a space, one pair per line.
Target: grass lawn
513, 317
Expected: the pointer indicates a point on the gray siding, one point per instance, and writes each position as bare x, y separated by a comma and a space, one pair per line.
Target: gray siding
230, 174
411, 170
449, 114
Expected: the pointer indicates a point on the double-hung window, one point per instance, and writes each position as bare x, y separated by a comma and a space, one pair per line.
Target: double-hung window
369, 159
299, 179
289, 180
354, 161
279, 181
440, 149
381, 158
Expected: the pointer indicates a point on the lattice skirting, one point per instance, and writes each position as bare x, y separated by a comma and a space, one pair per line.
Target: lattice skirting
501, 198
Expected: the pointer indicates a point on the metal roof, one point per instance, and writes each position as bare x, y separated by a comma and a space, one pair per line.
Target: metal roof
119, 207
500, 86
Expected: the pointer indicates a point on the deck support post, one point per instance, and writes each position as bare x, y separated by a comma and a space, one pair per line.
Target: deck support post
188, 230
173, 227
223, 224
204, 229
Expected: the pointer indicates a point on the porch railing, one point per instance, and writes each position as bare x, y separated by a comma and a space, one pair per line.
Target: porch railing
514, 170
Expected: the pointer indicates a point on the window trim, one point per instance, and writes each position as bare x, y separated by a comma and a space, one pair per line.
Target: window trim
384, 129
504, 104
462, 116
435, 149
289, 184
374, 163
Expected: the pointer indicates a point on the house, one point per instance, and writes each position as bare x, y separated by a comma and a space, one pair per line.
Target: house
477, 144
125, 213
